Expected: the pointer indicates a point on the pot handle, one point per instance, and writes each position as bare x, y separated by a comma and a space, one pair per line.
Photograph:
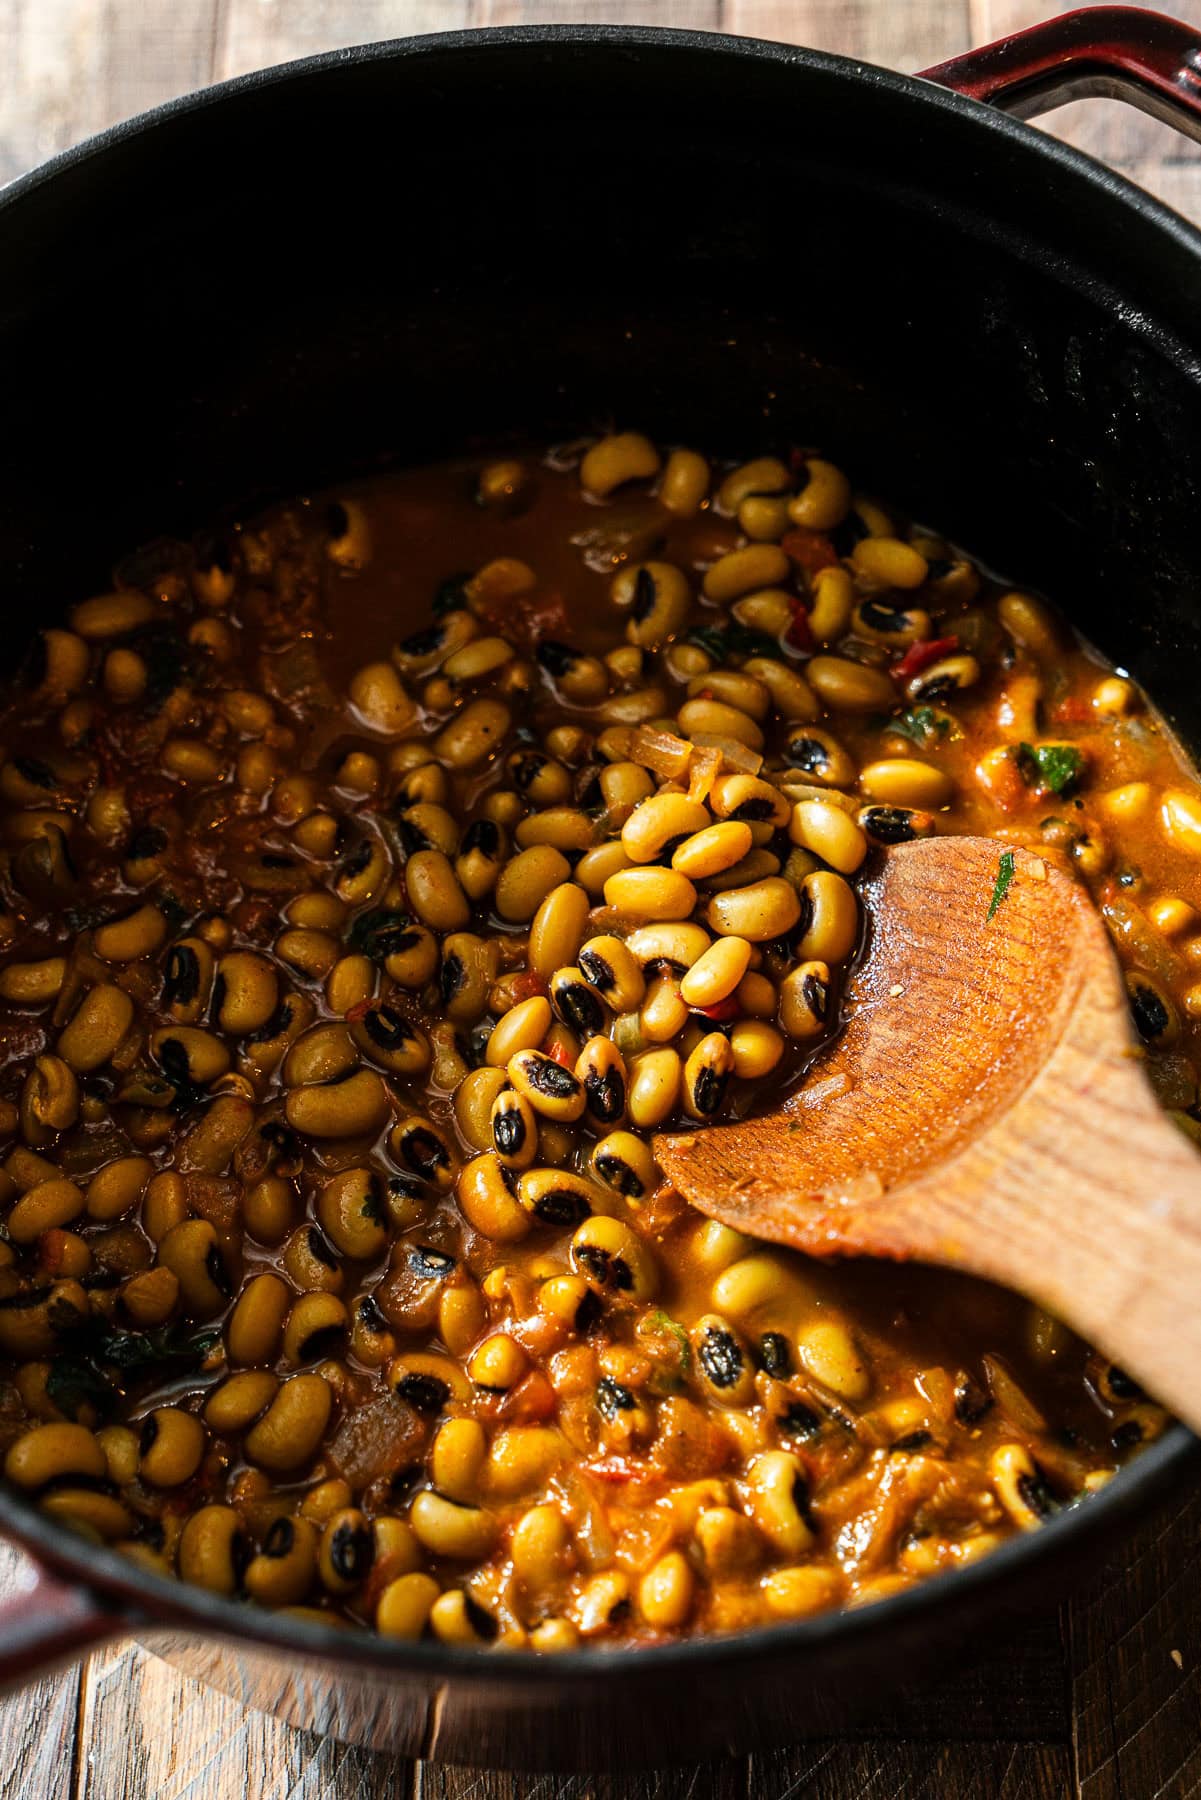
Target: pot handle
1120, 51
45, 1621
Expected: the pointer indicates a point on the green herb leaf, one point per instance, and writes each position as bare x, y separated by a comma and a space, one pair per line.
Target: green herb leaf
1006, 871
921, 725
139, 1352
74, 1382
723, 641
1053, 767
664, 1322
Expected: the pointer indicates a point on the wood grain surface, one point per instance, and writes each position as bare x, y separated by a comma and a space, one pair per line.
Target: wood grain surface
1099, 1701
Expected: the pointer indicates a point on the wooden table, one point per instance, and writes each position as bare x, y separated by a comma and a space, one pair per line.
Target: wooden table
1101, 1699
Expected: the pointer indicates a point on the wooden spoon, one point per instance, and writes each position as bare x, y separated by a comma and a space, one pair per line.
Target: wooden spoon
986, 1108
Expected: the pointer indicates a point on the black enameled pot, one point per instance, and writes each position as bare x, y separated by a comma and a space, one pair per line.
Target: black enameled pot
388, 254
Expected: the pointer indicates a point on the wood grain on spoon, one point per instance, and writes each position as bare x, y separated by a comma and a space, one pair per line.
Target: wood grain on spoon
986, 1108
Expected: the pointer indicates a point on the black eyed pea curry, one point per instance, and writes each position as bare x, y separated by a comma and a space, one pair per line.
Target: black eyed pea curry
376, 879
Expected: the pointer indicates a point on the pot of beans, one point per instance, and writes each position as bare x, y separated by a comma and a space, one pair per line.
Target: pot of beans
503, 533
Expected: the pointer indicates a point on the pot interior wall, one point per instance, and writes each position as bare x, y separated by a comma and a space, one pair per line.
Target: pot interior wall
511, 237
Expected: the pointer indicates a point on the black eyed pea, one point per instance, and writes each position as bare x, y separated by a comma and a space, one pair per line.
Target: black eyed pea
393, 1042
137, 934
481, 857
434, 892
595, 867
666, 1591
461, 1317
896, 824
651, 893
829, 1353
35, 1324
150, 1297
469, 968
282, 1572
800, 1592
636, 707
209, 1146
489, 1203
497, 1364
521, 1459
317, 1328
564, 828
170, 1448
188, 980
705, 719
943, 678
658, 597
613, 1259
576, 1003
192, 1252
245, 994
424, 1149
51, 1452
749, 799
602, 1072
458, 1618
349, 983
825, 498
189, 1057
904, 781
613, 460
311, 1263
293, 1426
475, 1097
351, 1211
756, 865
540, 1547
522, 1027
615, 973
111, 615
426, 1382
552, 1091
848, 686
881, 622
1156, 1018
426, 826
707, 1076
764, 910
83, 1509
213, 1551
715, 975
380, 700
654, 1087
684, 483
33, 983
120, 1447
820, 757
830, 833
514, 1129
447, 1527
777, 1498
326, 1498
555, 1196
240, 1400
473, 735
49, 1102
457, 1458
1021, 1486
712, 850
603, 1599
623, 786
625, 1163
762, 475
741, 571
677, 942
99, 1023
353, 1107
540, 780
165, 1204
580, 679
663, 1014
805, 1000
829, 918
658, 823
371, 1342
403, 1608
757, 1048
269, 1208
889, 562
1030, 624
723, 1362
348, 536
347, 1551
362, 874
527, 879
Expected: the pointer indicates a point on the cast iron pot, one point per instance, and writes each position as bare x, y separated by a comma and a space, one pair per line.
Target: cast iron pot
385, 254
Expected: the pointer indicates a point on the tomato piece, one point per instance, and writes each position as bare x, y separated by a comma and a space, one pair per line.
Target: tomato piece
799, 634
558, 1052
920, 656
810, 550
1073, 711
720, 1010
